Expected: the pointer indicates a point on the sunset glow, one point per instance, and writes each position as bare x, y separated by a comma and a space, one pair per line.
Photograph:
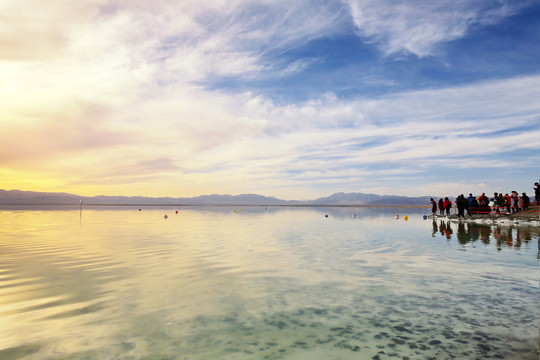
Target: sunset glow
288, 99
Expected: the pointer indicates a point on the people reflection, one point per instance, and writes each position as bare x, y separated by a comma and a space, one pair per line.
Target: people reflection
462, 235
469, 233
445, 229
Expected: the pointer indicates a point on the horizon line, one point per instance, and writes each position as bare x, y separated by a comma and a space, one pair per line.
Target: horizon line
210, 205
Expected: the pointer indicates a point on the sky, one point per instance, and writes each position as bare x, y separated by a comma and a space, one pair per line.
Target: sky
293, 99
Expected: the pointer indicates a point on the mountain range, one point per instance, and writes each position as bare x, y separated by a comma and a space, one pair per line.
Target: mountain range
17, 197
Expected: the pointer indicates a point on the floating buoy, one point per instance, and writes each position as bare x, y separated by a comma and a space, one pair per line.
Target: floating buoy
234, 211
139, 209
397, 216
326, 215
405, 218
165, 217
176, 211
425, 217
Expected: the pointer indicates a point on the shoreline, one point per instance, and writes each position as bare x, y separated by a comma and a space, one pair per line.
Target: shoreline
529, 217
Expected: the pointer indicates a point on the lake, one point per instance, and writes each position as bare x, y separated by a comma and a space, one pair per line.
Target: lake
264, 283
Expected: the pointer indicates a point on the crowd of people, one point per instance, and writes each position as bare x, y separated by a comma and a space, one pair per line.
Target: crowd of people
483, 205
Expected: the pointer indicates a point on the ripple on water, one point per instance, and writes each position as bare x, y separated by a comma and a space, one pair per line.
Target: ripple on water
244, 288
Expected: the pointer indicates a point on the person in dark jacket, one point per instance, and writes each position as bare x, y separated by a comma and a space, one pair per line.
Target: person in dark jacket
474, 205
433, 206
466, 205
526, 200
460, 200
537, 193
501, 201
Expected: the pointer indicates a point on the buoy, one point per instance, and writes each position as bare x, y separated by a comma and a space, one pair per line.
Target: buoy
139, 209
397, 216
405, 218
234, 211
165, 217
326, 215
176, 211
425, 217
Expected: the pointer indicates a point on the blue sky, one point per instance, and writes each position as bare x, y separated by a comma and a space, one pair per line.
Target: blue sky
289, 99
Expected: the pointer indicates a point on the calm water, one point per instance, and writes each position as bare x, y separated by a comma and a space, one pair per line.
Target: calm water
276, 283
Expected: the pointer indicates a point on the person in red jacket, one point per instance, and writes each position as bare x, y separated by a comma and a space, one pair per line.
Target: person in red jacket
508, 201
483, 201
447, 205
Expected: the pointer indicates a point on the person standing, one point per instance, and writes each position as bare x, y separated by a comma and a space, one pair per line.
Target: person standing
526, 200
447, 206
537, 193
433, 206
460, 203
515, 204
474, 205
441, 206
483, 201
496, 202
466, 205
501, 201
508, 201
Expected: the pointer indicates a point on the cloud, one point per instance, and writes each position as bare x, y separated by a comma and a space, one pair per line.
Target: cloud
42, 134
418, 27
253, 144
117, 92
452, 129
33, 30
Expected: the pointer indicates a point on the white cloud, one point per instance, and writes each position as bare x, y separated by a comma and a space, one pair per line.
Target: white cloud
417, 27
213, 139
120, 94
34, 30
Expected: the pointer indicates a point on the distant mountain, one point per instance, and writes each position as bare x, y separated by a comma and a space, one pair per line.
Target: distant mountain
32, 197
370, 199
16, 197
244, 199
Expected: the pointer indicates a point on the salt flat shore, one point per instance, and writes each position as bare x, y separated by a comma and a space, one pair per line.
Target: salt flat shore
529, 217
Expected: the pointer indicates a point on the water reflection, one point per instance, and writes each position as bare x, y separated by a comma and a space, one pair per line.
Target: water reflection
502, 235
255, 283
